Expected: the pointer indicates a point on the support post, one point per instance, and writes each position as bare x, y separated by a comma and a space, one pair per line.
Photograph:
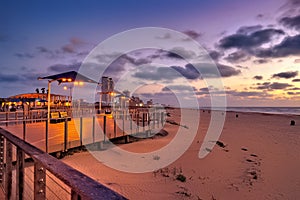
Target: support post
1, 158
24, 130
8, 171
6, 116
74, 195
104, 128
39, 182
47, 135
93, 129
20, 174
80, 136
66, 135
115, 128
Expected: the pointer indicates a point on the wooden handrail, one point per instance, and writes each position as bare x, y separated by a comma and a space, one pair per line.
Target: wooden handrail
81, 185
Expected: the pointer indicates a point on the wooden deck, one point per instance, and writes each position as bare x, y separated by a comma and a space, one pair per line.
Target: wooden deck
91, 130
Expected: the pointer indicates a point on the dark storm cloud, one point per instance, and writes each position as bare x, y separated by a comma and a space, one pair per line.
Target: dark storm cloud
9, 78
249, 29
293, 93
296, 80
189, 71
261, 61
179, 88
207, 70
215, 55
238, 56
258, 77
68, 49
64, 67
294, 88
48, 53
73, 45
291, 22
24, 55
241, 67
157, 73
178, 53
245, 93
227, 71
260, 16
288, 47
193, 34
272, 86
286, 75
120, 64
246, 42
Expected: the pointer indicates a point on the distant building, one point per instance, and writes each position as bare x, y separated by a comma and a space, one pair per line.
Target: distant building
107, 89
150, 103
126, 93
36, 100
135, 102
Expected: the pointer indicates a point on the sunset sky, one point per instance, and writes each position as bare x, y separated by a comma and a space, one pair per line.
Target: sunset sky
255, 45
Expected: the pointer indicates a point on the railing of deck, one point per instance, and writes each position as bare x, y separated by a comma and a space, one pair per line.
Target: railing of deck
87, 129
27, 172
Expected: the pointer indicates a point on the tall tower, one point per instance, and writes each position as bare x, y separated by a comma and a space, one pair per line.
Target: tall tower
107, 88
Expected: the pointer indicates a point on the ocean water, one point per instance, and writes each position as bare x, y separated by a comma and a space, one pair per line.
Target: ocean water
269, 110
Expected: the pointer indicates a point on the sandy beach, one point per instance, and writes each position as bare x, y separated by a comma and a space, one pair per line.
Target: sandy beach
256, 157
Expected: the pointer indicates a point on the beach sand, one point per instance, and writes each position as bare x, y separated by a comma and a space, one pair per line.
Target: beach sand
257, 157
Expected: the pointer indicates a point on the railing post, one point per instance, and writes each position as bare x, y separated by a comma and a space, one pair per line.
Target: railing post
8, 171
24, 130
137, 121
123, 123
6, 117
39, 182
80, 131
74, 195
104, 127
47, 134
1, 158
66, 135
115, 128
93, 129
130, 119
20, 174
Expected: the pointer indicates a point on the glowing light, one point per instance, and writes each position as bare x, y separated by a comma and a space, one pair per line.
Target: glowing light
64, 80
69, 80
65, 87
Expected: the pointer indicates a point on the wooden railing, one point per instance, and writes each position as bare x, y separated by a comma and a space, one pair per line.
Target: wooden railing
122, 124
27, 172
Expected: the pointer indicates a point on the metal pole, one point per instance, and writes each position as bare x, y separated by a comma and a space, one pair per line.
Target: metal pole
104, 127
49, 96
48, 114
80, 136
66, 135
100, 103
47, 133
93, 129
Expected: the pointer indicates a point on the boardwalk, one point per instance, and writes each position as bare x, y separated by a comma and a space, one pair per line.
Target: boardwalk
80, 131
